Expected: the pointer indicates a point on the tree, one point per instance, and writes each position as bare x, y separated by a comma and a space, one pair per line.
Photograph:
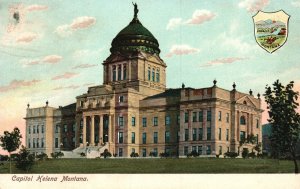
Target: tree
11, 142
25, 160
282, 105
105, 154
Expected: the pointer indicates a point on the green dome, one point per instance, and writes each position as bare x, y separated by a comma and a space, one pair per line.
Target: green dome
133, 38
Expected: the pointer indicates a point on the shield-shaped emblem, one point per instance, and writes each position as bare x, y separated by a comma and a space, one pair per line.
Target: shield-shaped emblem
271, 29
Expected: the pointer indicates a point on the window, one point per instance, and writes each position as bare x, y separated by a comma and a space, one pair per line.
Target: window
199, 150
144, 152
257, 123
149, 73
220, 150
194, 116
73, 127
65, 128
119, 73
124, 72
167, 120
153, 74
227, 149
133, 121
209, 115
220, 134
65, 141
56, 142
227, 117
227, 134
157, 76
144, 138
43, 129
201, 116
81, 124
33, 142
208, 150
120, 137
155, 138
42, 142
144, 120
208, 137
74, 141
120, 152
194, 134
200, 133
167, 151
133, 137
114, 73
186, 117
178, 119
29, 129
121, 122
186, 135
242, 136
186, 150
243, 120
167, 136
56, 128
155, 152
194, 148
33, 129
155, 121
220, 116
37, 142
37, 129
121, 99
29, 146
256, 138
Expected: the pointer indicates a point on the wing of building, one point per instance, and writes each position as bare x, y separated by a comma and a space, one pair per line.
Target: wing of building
133, 111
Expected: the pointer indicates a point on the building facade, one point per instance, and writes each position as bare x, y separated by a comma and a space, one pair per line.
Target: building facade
133, 111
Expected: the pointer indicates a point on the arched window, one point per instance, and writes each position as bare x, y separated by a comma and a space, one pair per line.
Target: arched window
157, 75
124, 72
114, 73
243, 120
153, 74
119, 72
149, 73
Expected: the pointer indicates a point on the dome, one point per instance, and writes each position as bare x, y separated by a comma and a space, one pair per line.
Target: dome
133, 38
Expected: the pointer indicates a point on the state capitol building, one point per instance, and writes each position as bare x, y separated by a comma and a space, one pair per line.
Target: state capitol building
133, 111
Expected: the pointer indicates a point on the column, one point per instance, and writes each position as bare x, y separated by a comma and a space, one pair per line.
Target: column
238, 127
84, 131
110, 128
204, 124
190, 125
181, 126
101, 129
92, 133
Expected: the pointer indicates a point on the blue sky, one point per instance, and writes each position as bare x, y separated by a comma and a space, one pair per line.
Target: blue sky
56, 49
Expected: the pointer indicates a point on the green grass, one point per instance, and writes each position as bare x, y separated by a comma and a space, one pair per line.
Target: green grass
191, 165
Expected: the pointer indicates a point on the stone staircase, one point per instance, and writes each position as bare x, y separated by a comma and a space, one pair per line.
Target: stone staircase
89, 151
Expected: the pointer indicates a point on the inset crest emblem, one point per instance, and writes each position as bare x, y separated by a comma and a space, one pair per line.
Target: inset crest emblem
271, 29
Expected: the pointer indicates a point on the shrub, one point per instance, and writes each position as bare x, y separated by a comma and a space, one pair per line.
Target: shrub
231, 154
105, 154
24, 160
4, 158
245, 153
133, 154
252, 155
82, 154
42, 156
56, 155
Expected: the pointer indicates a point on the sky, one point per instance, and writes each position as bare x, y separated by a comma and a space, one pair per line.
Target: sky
53, 50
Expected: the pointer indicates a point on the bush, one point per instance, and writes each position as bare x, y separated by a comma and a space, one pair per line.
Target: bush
42, 156
163, 155
105, 154
193, 154
152, 154
133, 154
56, 155
231, 154
24, 159
245, 153
252, 155
4, 158
82, 154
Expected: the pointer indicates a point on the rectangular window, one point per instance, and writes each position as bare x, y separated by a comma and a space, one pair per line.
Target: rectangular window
33, 129
144, 152
56, 128
186, 150
220, 116
200, 133
256, 138
178, 119
155, 135
153, 75
201, 116
37, 129
29, 146
144, 138
33, 142
209, 115
208, 150
144, 122
220, 150
194, 134
73, 127
167, 137
194, 148
120, 137
194, 116
157, 77
257, 123
37, 142
121, 99
208, 137
149, 74
155, 152
56, 142
186, 135
120, 152
155, 121
133, 137
121, 121
168, 120
42, 142
186, 117
227, 117
65, 128
43, 129
220, 134
200, 150
132, 150
227, 134
242, 136
29, 129
133, 121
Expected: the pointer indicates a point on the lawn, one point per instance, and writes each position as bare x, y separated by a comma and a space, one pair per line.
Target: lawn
187, 165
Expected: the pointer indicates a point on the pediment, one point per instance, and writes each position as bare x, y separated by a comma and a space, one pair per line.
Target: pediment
246, 100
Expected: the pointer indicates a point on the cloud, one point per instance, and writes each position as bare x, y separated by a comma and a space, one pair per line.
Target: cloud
198, 17
84, 66
253, 5
26, 37
52, 59
78, 23
296, 3
228, 60
67, 87
66, 75
15, 84
36, 7
182, 50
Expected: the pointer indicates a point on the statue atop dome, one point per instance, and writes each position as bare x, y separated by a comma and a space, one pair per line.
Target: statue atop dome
136, 10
